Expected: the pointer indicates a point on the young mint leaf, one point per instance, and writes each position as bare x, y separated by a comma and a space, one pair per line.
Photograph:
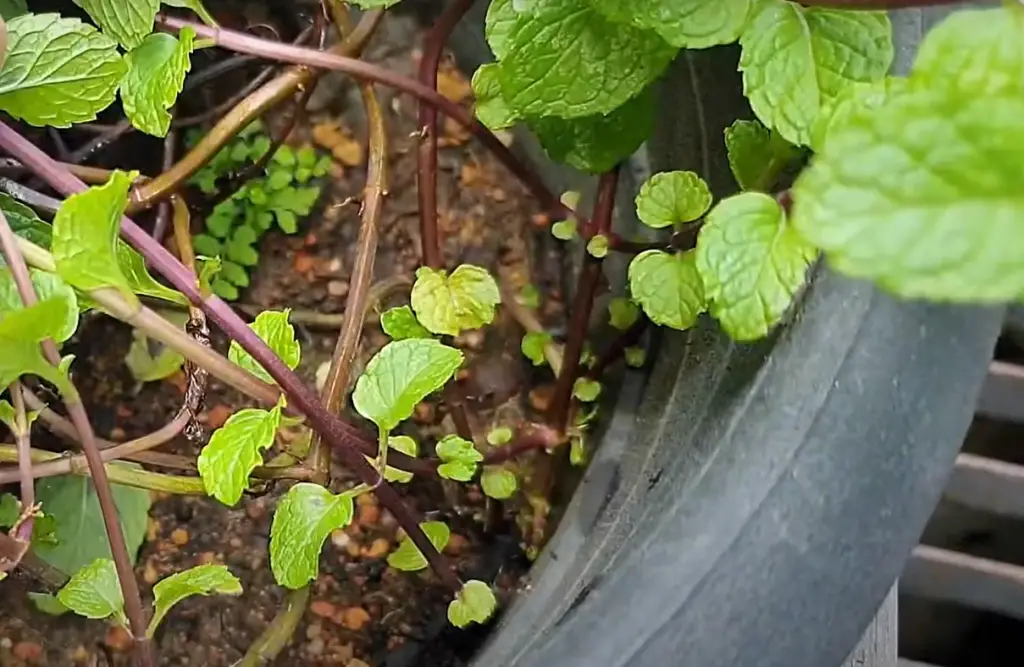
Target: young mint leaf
672, 197
498, 483
757, 155
85, 238
133, 266
533, 344
974, 49
594, 144
48, 285
895, 183
10, 508
490, 106
11, 9
25, 223
586, 390
197, 7
795, 59
565, 59
475, 603
667, 287
273, 328
58, 71
635, 357
406, 445
688, 24
501, 435
752, 262
452, 304
235, 274
529, 296
127, 21
460, 458
94, 592
207, 245
156, 73
408, 558
148, 365
234, 450
401, 375
501, 18
564, 230
78, 535
224, 289
242, 254
200, 580
303, 520
623, 313
48, 604
597, 246
401, 323
278, 179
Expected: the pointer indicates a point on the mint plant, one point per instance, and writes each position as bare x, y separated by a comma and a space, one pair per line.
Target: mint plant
889, 168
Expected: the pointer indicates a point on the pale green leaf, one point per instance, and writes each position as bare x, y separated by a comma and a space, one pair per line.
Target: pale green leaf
752, 263
635, 357
133, 266
156, 73
21, 357
451, 304
502, 435
564, 230
460, 458
566, 59
757, 155
689, 24
273, 328
667, 287
48, 286
197, 7
597, 246
48, 604
235, 449
490, 106
672, 197
401, 323
922, 195
10, 508
401, 375
529, 296
127, 21
303, 520
533, 344
58, 71
200, 580
150, 361
586, 390
795, 59
85, 236
94, 592
79, 536
475, 603
408, 558
460, 471
406, 445
501, 18
623, 313
25, 223
596, 143
498, 482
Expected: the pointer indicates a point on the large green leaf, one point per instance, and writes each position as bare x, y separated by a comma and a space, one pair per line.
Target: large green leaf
667, 287
795, 59
127, 21
58, 71
690, 24
752, 263
94, 592
451, 304
10, 9
274, 329
199, 580
234, 450
303, 520
156, 73
490, 107
498, 24
401, 375
566, 59
79, 532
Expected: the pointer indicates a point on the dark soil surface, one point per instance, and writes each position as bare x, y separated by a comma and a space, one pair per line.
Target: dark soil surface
362, 612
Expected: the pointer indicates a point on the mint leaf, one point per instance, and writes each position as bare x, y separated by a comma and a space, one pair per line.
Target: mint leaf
25, 223
501, 18
498, 482
401, 375
196, 6
133, 266
752, 263
408, 558
564, 230
586, 390
156, 73
672, 197
565, 59
303, 520
127, 21
85, 236
273, 328
79, 536
200, 580
635, 356
406, 445
475, 603
235, 449
975, 49
451, 304
10, 508
10, 9
667, 287
533, 344
490, 107
623, 313
501, 435
401, 323
689, 24
595, 144
859, 95
757, 155
597, 246
894, 184
58, 71
48, 604
94, 592
48, 286
460, 458
795, 59
149, 365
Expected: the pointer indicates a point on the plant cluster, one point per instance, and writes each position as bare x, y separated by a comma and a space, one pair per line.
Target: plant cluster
283, 194
899, 165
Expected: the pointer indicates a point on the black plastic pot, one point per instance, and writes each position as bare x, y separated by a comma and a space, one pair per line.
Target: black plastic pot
750, 505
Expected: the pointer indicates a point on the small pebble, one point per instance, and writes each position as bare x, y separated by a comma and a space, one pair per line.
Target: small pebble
323, 609
423, 413
340, 538
369, 515
541, 397
456, 544
314, 630
150, 573
255, 510
355, 618
337, 288
80, 655
207, 557
217, 415
315, 647
355, 662
117, 639
377, 549
6, 643
29, 652
335, 265
235, 543
179, 536
352, 549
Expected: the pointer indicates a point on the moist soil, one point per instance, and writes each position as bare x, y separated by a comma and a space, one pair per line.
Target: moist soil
362, 612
